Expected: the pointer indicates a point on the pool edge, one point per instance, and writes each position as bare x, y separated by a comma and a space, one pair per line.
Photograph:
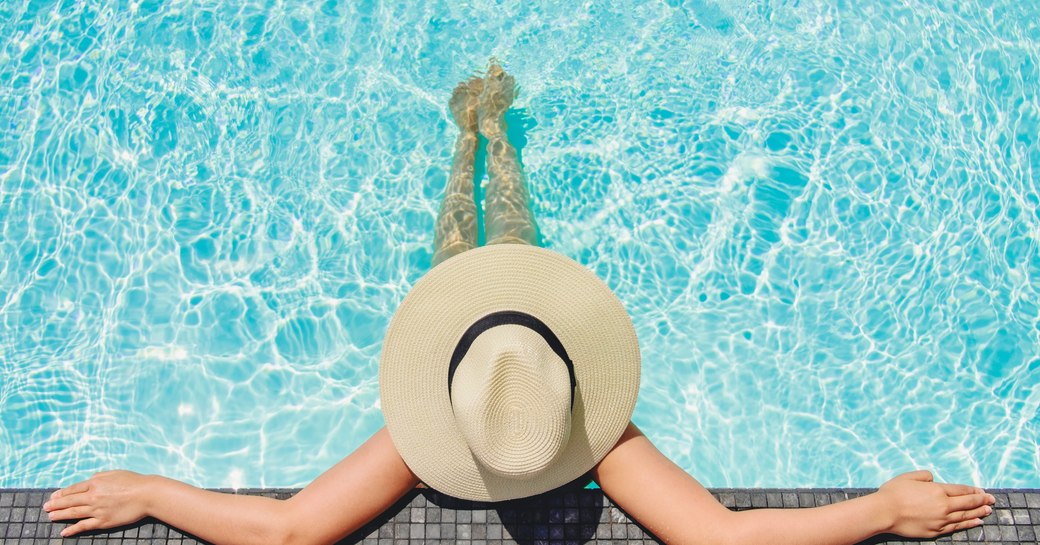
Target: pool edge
572, 515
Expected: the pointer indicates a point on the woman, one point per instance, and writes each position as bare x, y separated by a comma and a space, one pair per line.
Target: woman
542, 368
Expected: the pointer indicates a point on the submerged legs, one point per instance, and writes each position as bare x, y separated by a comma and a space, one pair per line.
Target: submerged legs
456, 227
482, 103
507, 217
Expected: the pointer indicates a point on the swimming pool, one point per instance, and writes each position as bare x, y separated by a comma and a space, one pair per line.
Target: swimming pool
823, 220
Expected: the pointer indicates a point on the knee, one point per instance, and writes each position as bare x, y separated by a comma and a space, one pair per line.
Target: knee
510, 239
450, 250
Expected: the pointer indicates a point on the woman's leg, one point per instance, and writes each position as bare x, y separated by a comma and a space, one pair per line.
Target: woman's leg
456, 228
507, 218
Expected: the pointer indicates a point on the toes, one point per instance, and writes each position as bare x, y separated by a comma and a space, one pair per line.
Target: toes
458, 95
495, 71
506, 86
464, 100
498, 93
467, 91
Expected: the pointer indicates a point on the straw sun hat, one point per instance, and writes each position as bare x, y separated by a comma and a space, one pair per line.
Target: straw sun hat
507, 371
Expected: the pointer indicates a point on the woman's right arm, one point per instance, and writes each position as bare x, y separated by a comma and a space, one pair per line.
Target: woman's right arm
338, 502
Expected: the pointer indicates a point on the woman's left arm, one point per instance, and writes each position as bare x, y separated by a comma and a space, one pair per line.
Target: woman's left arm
677, 509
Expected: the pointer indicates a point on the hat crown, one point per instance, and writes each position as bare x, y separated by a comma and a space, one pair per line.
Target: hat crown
511, 400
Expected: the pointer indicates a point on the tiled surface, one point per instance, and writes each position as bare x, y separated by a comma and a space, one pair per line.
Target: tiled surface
561, 517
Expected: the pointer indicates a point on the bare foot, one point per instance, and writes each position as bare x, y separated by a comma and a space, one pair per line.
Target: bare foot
499, 89
463, 103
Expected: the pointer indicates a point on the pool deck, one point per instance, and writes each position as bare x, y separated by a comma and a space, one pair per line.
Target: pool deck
565, 517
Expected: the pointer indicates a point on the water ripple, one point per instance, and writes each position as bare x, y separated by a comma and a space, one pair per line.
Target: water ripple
823, 219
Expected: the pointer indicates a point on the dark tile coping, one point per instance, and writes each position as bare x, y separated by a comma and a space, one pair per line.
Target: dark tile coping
565, 516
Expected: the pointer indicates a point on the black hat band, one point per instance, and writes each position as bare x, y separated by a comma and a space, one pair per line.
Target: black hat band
509, 317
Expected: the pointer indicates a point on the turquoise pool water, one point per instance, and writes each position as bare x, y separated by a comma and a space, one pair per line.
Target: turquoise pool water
824, 221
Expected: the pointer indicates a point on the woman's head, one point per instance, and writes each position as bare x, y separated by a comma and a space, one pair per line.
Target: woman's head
507, 371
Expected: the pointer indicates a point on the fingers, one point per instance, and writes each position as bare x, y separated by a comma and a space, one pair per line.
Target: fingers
976, 513
77, 512
963, 525
81, 526
960, 489
919, 475
82, 486
66, 501
971, 501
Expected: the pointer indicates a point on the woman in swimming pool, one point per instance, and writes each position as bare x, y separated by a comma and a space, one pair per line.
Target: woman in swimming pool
521, 385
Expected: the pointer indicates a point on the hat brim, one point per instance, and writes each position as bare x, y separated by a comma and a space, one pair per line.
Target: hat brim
581, 310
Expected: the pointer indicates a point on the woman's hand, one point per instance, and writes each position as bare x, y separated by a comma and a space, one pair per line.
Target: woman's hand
106, 500
918, 507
